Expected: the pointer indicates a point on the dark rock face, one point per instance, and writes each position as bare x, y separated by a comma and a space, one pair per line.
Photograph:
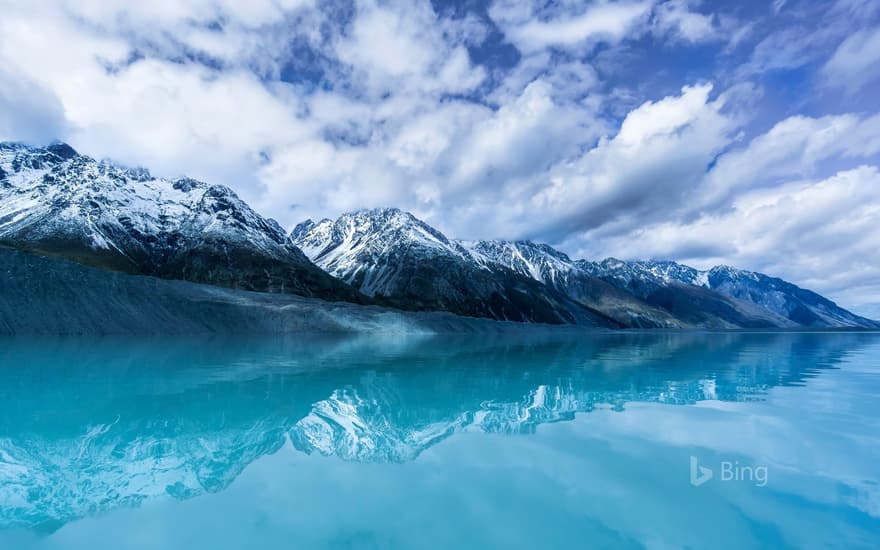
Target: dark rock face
64, 204
51, 296
62, 150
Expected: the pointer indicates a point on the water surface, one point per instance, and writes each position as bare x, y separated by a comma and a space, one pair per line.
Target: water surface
552, 441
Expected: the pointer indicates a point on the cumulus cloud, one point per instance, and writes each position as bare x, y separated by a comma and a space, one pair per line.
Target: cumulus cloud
792, 147
658, 155
395, 48
753, 209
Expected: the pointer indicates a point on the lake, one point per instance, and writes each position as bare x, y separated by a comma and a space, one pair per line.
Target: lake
551, 440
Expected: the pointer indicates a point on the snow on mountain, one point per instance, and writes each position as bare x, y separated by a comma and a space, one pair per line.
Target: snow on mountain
355, 247
794, 305
555, 269
391, 254
380, 251
539, 261
58, 202
635, 294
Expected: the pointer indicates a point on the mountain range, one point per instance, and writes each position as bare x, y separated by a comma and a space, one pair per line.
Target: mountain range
391, 254
58, 203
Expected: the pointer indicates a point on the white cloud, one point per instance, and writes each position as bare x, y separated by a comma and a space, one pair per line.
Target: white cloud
856, 62
659, 154
531, 30
791, 148
517, 139
819, 234
173, 117
396, 49
677, 19
28, 111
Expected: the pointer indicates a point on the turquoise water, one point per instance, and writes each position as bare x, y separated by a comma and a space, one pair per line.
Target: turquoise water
566, 441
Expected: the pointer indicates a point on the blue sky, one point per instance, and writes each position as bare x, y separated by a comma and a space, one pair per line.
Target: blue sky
745, 133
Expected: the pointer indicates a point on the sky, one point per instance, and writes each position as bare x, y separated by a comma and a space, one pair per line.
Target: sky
707, 132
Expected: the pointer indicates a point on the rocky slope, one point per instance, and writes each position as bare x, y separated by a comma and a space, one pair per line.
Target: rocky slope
556, 270
49, 296
57, 202
733, 294
390, 254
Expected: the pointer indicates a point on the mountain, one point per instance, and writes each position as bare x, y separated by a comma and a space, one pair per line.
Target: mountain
392, 255
749, 293
57, 202
53, 296
556, 270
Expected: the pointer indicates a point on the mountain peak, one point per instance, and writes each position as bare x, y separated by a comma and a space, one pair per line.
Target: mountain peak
56, 201
62, 150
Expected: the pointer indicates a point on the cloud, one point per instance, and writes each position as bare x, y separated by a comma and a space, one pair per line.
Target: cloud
783, 50
677, 19
658, 156
172, 116
791, 148
532, 28
394, 48
28, 111
569, 80
855, 62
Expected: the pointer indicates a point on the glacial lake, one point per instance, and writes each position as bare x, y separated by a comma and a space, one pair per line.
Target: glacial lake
557, 440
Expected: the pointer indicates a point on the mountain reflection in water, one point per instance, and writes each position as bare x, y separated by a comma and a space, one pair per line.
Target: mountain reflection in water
92, 425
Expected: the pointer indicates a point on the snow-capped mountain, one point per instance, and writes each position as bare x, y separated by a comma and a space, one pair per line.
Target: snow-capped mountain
556, 270
354, 246
392, 255
668, 294
539, 261
662, 305
56, 202
795, 306
386, 252
60, 203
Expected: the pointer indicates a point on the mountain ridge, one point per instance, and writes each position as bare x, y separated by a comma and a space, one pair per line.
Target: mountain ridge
59, 203
632, 294
391, 254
